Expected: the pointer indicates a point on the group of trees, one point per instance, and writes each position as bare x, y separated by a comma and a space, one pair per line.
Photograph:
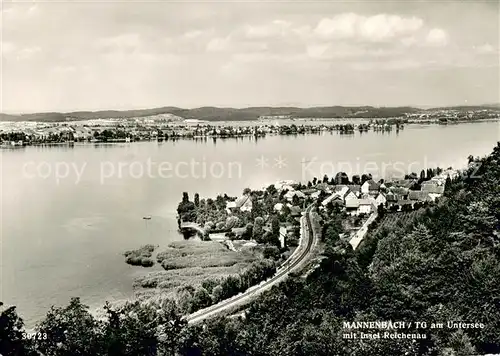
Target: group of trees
135, 329
213, 290
51, 137
13, 136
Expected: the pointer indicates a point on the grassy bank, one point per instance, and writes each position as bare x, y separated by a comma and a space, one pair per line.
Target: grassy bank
187, 254
190, 263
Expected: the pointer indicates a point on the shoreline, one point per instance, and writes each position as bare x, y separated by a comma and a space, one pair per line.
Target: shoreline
266, 129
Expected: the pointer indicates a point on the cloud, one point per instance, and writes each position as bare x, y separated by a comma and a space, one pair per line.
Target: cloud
276, 28
63, 69
19, 11
437, 37
7, 47
234, 45
193, 34
484, 49
28, 52
144, 54
340, 50
10, 50
123, 41
317, 50
218, 44
381, 27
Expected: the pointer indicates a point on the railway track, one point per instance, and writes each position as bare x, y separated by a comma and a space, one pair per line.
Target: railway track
250, 293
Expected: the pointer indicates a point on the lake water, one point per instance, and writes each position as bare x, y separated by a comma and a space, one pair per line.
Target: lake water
68, 213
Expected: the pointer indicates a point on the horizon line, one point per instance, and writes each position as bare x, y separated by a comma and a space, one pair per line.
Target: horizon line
426, 107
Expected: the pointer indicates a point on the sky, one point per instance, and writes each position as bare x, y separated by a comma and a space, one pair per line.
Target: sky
93, 55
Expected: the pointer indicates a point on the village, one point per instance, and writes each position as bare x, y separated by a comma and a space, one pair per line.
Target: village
271, 216
159, 129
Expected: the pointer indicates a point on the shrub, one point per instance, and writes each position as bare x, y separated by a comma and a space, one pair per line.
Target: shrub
209, 284
232, 221
141, 256
217, 294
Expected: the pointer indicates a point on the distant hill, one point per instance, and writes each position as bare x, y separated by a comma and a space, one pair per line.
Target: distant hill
210, 113
469, 107
114, 114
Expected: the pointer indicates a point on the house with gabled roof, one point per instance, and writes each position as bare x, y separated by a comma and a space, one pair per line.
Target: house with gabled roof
401, 203
243, 203
365, 206
350, 195
401, 192
290, 194
324, 187
380, 199
352, 206
359, 206
335, 199
418, 195
433, 189
370, 187
355, 189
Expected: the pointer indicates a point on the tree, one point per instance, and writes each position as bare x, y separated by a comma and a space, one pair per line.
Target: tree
209, 226
258, 228
217, 294
275, 225
220, 202
380, 211
201, 299
232, 222
12, 342
365, 177
341, 178
356, 180
186, 209
461, 344
272, 252
257, 208
285, 210
70, 330
220, 225
142, 329
271, 189
447, 185
247, 234
247, 191
196, 200
231, 286
209, 284
407, 208
422, 176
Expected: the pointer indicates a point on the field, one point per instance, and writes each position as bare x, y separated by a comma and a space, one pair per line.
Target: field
400, 219
190, 263
193, 253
